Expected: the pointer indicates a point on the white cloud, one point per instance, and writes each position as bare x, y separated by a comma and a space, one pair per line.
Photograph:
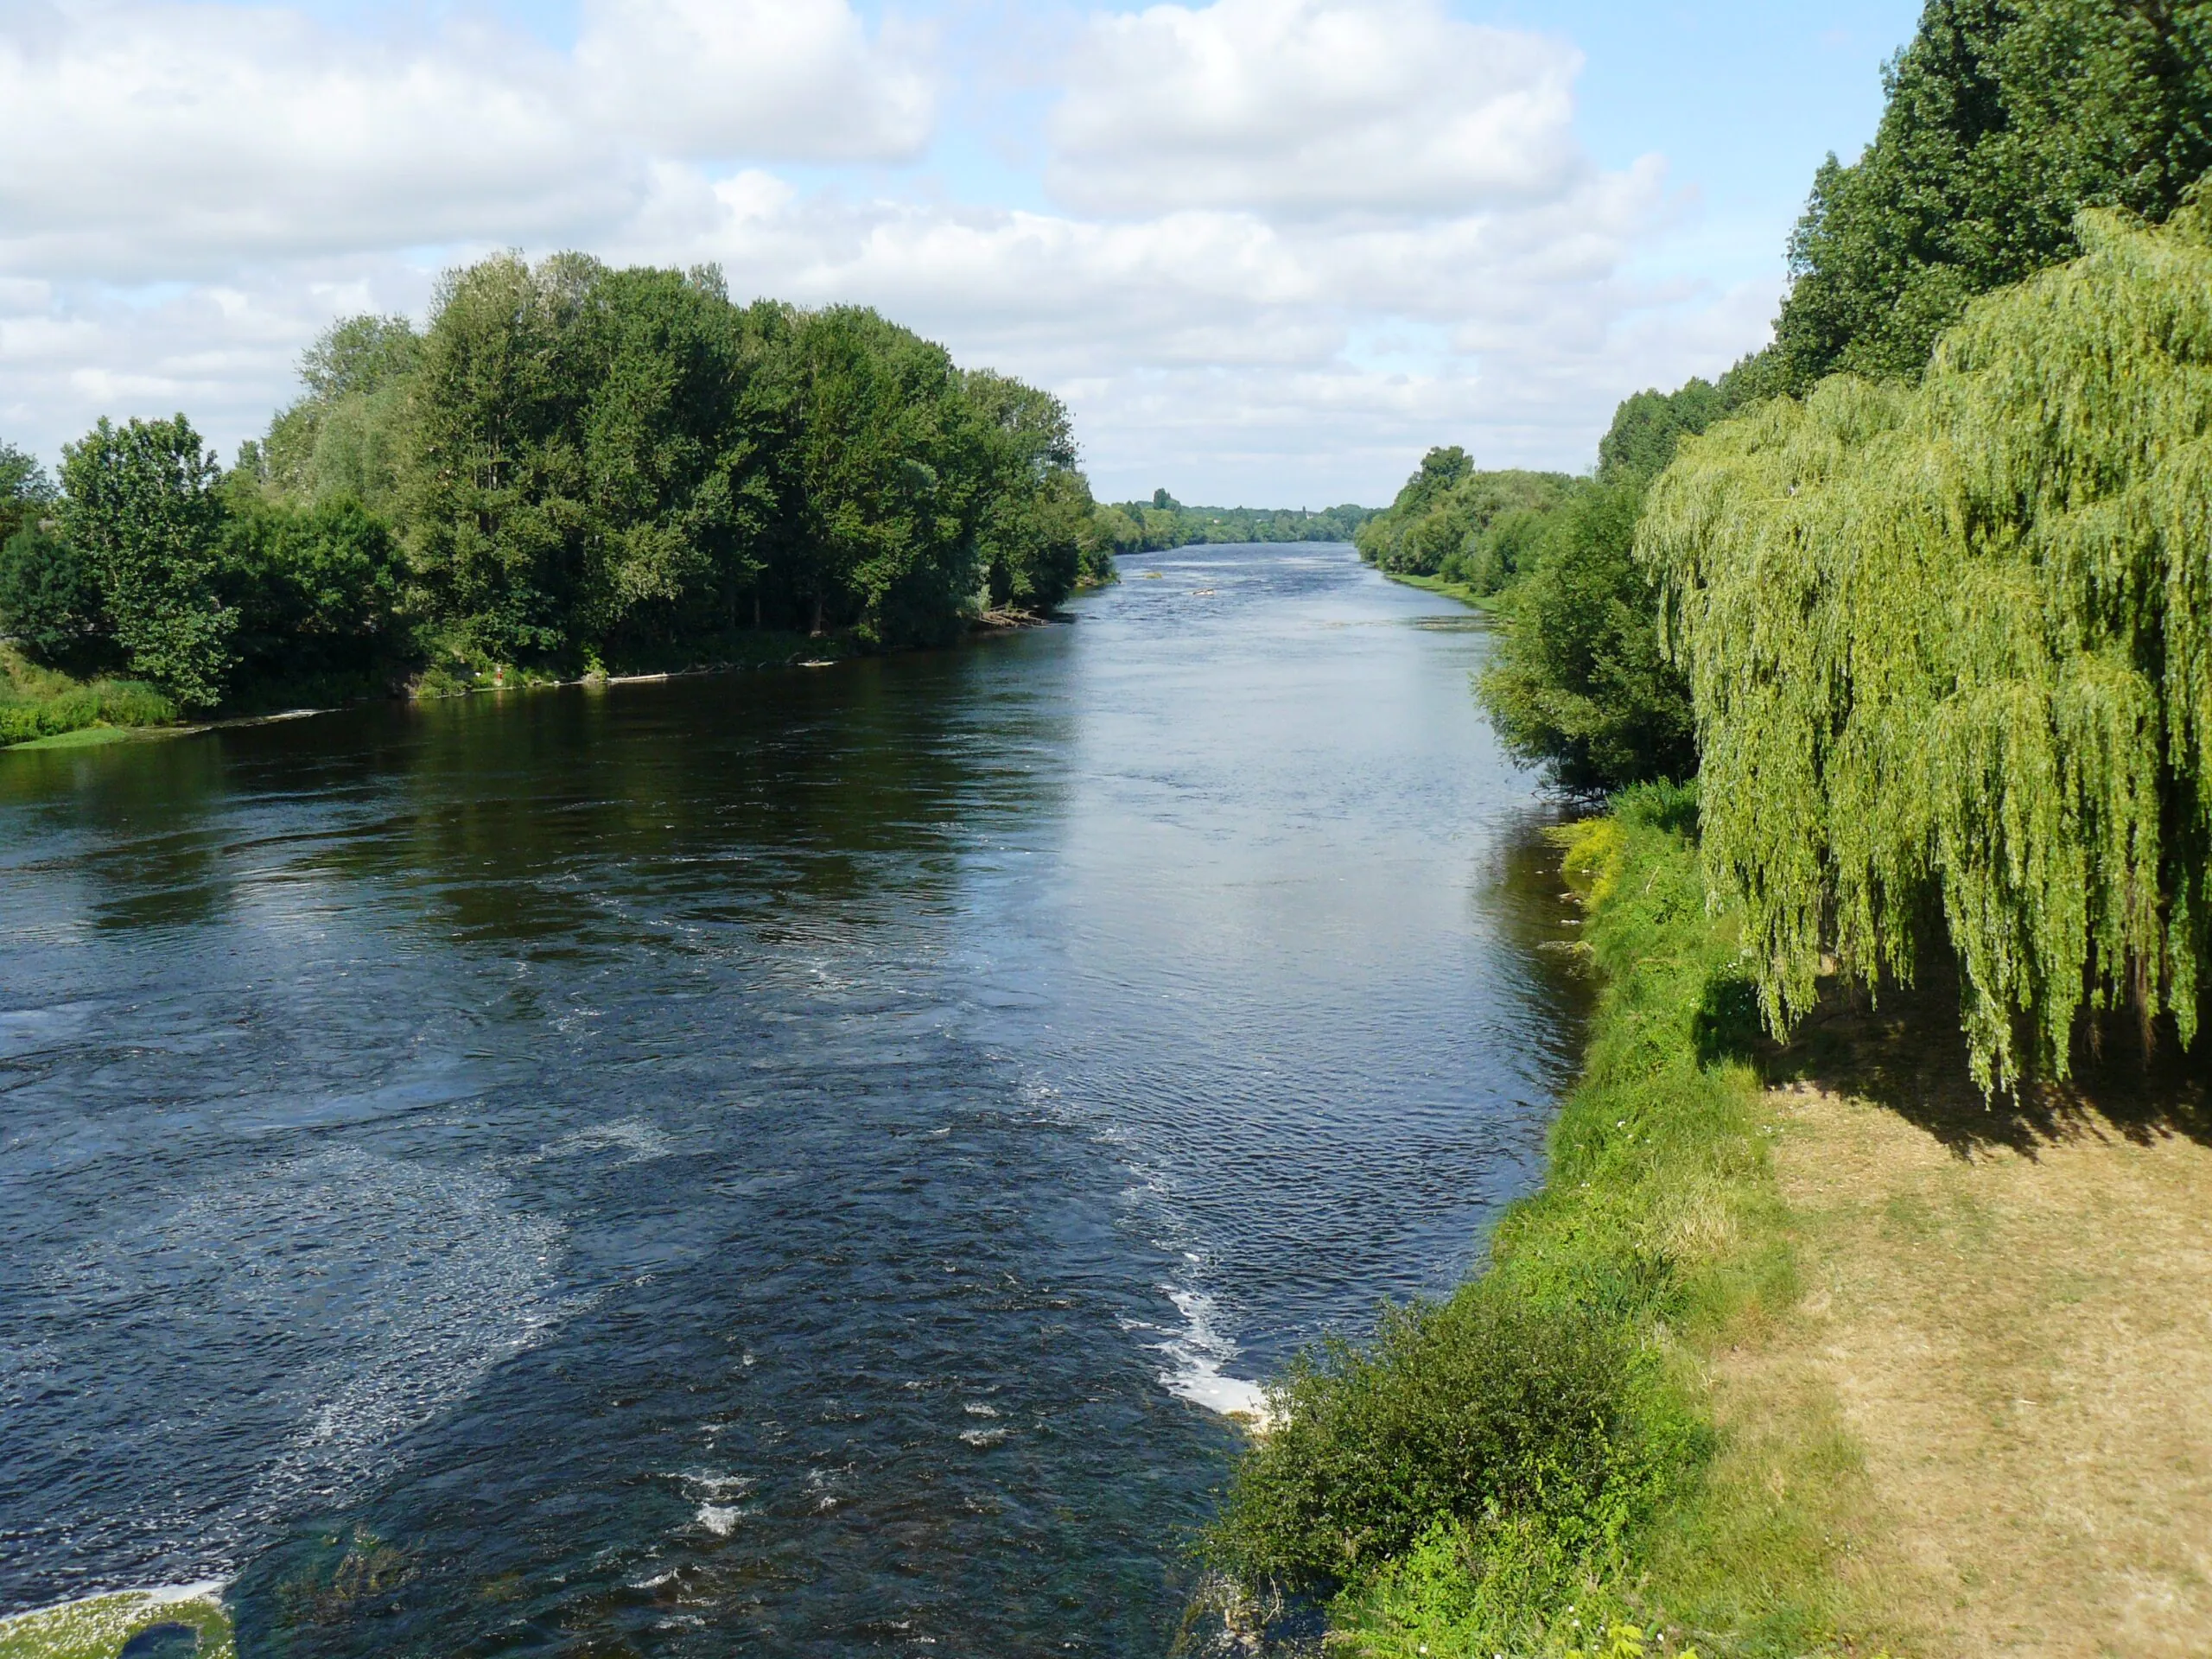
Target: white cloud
149, 140
1303, 241
1313, 105
785, 78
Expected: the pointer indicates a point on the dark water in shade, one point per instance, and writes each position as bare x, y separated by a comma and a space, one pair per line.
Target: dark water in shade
770, 1164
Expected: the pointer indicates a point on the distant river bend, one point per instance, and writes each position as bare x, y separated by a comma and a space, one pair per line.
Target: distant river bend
790, 1163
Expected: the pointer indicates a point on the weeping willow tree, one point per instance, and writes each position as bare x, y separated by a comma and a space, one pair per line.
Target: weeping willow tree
1950, 651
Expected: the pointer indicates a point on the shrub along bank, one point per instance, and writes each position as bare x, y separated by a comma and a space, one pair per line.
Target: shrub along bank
1530, 1467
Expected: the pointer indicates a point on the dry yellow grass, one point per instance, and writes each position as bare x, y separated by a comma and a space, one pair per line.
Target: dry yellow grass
2009, 1314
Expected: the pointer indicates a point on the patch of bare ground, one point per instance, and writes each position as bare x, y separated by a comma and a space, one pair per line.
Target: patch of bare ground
2008, 1312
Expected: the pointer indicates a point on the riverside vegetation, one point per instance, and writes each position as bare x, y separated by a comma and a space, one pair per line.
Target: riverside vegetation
1918, 596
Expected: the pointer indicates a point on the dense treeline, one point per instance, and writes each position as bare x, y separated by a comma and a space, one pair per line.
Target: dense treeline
570, 465
1164, 522
1921, 593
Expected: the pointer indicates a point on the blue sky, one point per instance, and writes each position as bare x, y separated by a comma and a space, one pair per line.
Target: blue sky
1268, 250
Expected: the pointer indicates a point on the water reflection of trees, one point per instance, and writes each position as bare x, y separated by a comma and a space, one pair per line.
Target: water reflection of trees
541, 818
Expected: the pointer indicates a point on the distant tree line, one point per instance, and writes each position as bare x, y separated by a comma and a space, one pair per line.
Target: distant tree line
570, 464
1164, 522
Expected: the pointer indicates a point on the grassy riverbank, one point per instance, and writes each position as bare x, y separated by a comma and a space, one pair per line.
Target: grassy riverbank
41, 703
1459, 590
1801, 1351
189, 1619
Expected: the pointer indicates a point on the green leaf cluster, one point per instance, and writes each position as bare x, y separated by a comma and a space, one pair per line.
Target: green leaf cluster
1950, 649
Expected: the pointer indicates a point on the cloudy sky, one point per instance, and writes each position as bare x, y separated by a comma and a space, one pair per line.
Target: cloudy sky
1267, 249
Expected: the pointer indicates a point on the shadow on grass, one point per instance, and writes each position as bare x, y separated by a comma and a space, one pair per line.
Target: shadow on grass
1906, 1052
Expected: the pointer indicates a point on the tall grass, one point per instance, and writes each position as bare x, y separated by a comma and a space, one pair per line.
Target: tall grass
40, 702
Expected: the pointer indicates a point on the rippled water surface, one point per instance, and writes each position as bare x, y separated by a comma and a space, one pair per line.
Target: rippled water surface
786, 1163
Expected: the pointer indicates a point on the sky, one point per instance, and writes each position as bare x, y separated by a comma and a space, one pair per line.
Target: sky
1269, 251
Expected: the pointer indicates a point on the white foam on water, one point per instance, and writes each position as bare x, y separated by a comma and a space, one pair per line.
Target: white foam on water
1196, 1355
377, 1292
720, 1519
644, 1141
466, 1283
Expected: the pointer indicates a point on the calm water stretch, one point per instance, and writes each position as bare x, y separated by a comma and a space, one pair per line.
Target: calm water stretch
788, 1163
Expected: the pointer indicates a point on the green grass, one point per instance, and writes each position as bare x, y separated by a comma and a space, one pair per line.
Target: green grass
1459, 590
1535, 1461
39, 704
97, 1627
94, 737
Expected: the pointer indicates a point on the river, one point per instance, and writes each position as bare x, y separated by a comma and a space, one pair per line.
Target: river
789, 1163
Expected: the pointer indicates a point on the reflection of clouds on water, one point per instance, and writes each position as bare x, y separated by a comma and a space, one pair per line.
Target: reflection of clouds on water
322, 1308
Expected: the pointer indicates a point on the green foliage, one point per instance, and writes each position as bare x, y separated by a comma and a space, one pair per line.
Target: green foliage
1579, 682
141, 509
2004, 118
1486, 1409
346, 437
317, 589
1465, 526
49, 598
1037, 537
888, 462
25, 493
1649, 426
1951, 652
37, 702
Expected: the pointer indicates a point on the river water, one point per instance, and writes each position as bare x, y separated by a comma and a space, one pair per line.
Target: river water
792, 1163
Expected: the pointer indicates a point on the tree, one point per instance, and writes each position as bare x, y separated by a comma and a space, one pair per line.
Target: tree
2004, 118
889, 460
49, 599
1579, 682
1950, 649
1038, 517
346, 437
25, 493
315, 588
140, 508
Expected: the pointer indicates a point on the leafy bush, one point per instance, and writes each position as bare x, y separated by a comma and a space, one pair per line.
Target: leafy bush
1580, 682
1485, 1410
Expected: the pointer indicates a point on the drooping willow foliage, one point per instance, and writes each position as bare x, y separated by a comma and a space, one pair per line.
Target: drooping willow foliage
1950, 649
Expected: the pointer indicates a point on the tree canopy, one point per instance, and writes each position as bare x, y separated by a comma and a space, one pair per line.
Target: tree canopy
1458, 522
1950, 650
2004, 118
571, 462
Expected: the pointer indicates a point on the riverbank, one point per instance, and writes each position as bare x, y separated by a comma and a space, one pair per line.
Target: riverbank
1459, 590
167, 1624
